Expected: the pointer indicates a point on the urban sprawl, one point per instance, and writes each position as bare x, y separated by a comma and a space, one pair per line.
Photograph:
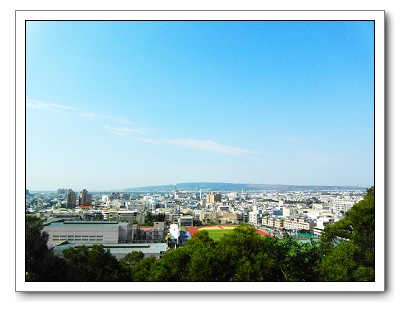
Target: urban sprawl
154, 222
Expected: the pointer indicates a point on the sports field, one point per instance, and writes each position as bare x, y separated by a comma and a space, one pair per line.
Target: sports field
217, 231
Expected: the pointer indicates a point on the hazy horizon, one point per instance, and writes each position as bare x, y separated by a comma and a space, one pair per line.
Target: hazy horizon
179, 186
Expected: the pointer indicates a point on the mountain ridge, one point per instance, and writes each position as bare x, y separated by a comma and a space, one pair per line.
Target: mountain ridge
238, 187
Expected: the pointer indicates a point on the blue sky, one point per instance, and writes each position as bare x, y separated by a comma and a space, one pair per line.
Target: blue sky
114, 105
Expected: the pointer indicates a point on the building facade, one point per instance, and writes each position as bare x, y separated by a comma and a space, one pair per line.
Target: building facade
71, 199
85, 198
185, 221
86, 232
214, 197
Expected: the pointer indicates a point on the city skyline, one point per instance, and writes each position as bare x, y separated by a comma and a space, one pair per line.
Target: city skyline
121, 104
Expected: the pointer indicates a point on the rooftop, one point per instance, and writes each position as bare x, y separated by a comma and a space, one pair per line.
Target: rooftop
119, 250
91, 223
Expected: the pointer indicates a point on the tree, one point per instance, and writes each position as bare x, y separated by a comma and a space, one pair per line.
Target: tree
203, 261
172, 267
238, 253
297, 262
348, 246
160, 217
40, 263
141, 270
149, 218
131, 259
94, 265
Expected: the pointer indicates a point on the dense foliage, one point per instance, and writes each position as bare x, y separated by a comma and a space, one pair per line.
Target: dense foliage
346, 253
40, 263
348, 246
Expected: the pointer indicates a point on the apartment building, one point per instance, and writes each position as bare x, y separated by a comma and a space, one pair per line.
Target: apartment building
255, 216
299, 223
124, 215
196, 215
71, 199
227, 218
337, 205
320, 224
149, 234
207, 215
214, 197
85, 198
273, 222
185, 221
174, 217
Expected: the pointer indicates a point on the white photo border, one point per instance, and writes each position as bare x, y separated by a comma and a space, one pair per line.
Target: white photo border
379, 147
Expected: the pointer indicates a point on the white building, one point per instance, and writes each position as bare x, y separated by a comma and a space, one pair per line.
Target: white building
321, 222
255, 216
88, 232
288, 211
336, 205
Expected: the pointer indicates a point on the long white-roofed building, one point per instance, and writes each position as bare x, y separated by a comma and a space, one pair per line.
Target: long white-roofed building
88, 232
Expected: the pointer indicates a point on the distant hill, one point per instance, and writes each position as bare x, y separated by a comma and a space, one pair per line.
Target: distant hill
236, 187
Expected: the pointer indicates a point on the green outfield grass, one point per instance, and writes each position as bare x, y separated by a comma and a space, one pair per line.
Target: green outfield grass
216, 234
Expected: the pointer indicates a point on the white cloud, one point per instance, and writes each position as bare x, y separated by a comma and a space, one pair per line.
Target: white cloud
48, 106
101, 116
207, 145
212, 146
93, 115
121, 120
127, 131
151, 141
58, 108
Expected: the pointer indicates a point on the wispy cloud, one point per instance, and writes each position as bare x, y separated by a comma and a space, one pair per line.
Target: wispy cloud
206, 145
48, 106
93, 116
146, 140
33, 104
101, 116
209, 145
127, 130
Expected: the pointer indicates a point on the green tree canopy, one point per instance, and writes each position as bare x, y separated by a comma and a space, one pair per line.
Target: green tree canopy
348, 246
93, 265
40, 263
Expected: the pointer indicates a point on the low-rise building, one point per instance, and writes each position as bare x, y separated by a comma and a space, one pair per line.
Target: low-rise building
337, 205
255, 216
88, 232
227, 218
185, 221
320, 224
274, 222
298, 223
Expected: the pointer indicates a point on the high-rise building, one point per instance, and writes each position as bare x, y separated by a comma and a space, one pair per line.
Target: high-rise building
71, 199
214, 197
61, 191
85, 198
